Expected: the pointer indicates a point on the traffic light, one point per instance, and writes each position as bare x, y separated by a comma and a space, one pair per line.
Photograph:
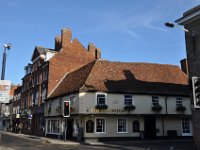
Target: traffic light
196, 91
66, 109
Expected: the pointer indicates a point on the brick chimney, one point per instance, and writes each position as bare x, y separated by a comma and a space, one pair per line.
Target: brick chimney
58, 43
184, 66
96, 52
91, 48
66, 37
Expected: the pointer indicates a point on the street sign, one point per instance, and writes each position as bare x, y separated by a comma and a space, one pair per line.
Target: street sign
196, 91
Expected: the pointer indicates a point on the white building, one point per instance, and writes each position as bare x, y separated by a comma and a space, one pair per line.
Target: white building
121, 100
5, 96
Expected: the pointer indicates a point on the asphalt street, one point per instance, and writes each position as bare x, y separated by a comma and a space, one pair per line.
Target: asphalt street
9, 142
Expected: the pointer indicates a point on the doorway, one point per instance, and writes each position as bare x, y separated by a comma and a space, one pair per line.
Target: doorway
150, 127
69, 134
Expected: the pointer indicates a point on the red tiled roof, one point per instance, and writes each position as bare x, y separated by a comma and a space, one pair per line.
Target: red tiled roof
72, 81
123, 77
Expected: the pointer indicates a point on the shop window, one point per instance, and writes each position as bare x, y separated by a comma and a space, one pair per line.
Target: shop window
100, 125
53, 126
122, 125
186, 129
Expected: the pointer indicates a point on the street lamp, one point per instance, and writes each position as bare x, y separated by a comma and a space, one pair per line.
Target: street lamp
172, 25
6, 46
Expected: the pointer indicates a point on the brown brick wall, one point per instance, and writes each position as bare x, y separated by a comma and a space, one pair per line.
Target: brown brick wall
70, 57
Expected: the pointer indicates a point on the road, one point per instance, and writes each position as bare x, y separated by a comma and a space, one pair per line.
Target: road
9, 142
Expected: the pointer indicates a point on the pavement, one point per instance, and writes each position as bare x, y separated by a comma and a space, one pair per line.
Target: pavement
41, 139
52, 140
176, 144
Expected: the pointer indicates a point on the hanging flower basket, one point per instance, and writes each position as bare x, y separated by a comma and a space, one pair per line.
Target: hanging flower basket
129, 107
180, 108
156, 108
101, 106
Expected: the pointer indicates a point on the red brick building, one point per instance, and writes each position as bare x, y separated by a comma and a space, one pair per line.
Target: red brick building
47, 69
15, 109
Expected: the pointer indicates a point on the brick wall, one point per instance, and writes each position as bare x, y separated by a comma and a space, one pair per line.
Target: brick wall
71, 56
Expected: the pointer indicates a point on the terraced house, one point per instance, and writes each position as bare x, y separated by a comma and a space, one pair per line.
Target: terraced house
47, 68
121, 100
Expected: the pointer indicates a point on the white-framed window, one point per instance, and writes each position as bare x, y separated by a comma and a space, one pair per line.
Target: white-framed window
128, 100
186, 127
179, 101
101, 99
53, 126
100, 125
155, 101
122, 126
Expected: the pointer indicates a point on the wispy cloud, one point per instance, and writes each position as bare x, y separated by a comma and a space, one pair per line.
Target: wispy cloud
130, 22
132, 33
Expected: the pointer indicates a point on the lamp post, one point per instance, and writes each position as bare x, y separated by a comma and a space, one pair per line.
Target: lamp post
172, 25
6, 46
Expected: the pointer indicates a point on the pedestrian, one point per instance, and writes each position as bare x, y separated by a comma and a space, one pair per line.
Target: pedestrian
19, 128
16, 127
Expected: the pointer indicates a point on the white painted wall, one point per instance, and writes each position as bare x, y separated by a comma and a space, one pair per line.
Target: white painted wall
55, 103
143, 103
83, 105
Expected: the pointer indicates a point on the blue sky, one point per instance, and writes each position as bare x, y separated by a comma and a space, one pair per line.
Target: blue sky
125, 30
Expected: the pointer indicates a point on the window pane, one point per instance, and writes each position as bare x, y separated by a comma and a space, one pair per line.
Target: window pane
101, 99
179, 101
122, 125
128, 100
185, 125
100, 125
155, 100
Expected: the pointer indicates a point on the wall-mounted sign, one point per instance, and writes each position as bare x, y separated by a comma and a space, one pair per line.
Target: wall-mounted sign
4, 91
17, 115
30, 116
